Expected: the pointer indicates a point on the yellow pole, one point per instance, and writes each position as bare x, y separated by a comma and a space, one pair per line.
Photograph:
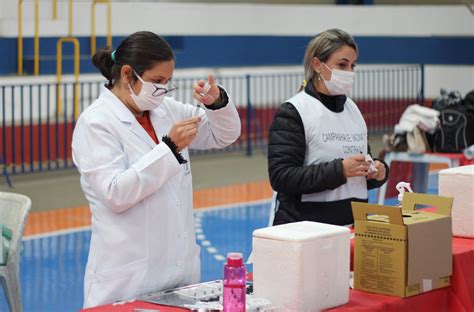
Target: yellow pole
76, 76
70, 18
59, 71
109, 24
93, 48
36, 60
59, 61
20, 38
55, 9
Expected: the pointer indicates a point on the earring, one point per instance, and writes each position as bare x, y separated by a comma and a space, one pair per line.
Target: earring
319, 76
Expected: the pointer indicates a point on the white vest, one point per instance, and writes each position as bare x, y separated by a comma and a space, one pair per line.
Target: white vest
331, 135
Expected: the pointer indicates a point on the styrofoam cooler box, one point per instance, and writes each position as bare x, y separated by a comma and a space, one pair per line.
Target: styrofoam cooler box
458, 182
302, 266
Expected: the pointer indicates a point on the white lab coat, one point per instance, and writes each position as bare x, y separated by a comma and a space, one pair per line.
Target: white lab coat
140, 196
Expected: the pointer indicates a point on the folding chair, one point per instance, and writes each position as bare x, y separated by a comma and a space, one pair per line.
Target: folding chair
14, 209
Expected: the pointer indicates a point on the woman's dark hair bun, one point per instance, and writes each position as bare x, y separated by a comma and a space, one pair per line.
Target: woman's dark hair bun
102, 59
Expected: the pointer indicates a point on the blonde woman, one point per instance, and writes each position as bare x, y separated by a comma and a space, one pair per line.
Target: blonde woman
318, 149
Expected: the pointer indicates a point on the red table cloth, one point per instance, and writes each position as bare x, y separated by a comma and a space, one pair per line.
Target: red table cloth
458, 297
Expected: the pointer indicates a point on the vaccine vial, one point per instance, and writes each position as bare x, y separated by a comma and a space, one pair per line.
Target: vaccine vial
205, 89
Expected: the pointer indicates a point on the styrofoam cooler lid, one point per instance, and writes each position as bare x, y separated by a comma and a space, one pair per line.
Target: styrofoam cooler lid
465, 170
300, 231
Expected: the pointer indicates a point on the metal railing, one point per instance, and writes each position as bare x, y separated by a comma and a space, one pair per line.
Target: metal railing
59, 63
55, 9
36, 59
36, 136
20, 38
59, 72
109, 24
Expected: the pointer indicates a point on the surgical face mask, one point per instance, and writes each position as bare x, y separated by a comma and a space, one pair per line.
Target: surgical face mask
151, 95
341, 81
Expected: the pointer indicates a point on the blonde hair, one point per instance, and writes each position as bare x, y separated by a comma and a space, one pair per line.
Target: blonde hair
322, 46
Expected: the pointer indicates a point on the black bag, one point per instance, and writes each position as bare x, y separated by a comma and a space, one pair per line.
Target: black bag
456, 130
446, 99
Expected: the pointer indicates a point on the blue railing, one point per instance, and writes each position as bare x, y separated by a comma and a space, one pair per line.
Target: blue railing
36, 134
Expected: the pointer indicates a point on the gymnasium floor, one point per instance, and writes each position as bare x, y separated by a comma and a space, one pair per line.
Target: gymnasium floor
57, 241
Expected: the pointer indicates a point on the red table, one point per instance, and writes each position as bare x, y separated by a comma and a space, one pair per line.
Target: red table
459, 297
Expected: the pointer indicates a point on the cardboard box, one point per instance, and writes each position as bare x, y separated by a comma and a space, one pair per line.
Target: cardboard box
402, 251
302, 266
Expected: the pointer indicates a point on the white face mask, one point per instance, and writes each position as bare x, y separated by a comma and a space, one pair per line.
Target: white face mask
341, 81
151, 95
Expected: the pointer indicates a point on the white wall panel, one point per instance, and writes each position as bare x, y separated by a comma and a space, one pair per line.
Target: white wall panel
243, 19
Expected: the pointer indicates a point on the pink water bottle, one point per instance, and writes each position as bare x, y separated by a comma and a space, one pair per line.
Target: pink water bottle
234, 283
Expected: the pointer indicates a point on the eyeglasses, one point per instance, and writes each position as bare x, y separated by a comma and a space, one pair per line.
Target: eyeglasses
170, 87
160, 89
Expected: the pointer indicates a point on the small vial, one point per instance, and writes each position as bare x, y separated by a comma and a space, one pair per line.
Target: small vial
196, 110
234, 283
205, 88
372, 168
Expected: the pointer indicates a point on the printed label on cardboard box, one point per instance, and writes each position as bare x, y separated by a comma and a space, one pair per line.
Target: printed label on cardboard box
381, 247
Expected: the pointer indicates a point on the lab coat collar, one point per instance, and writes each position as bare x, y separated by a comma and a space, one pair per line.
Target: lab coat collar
119, 109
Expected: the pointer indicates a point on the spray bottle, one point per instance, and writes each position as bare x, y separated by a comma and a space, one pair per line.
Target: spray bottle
469, 152
401, 188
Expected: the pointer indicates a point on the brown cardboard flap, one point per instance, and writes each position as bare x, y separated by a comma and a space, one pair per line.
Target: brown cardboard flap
429, 250
442, 204
361, 210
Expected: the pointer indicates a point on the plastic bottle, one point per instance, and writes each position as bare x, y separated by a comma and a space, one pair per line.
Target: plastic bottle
234, 283
469, 152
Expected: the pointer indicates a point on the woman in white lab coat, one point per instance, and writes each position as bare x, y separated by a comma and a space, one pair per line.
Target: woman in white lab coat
131, 149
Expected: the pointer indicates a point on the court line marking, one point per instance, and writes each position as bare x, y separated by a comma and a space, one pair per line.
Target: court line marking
40, 222
57, 233
196, 213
